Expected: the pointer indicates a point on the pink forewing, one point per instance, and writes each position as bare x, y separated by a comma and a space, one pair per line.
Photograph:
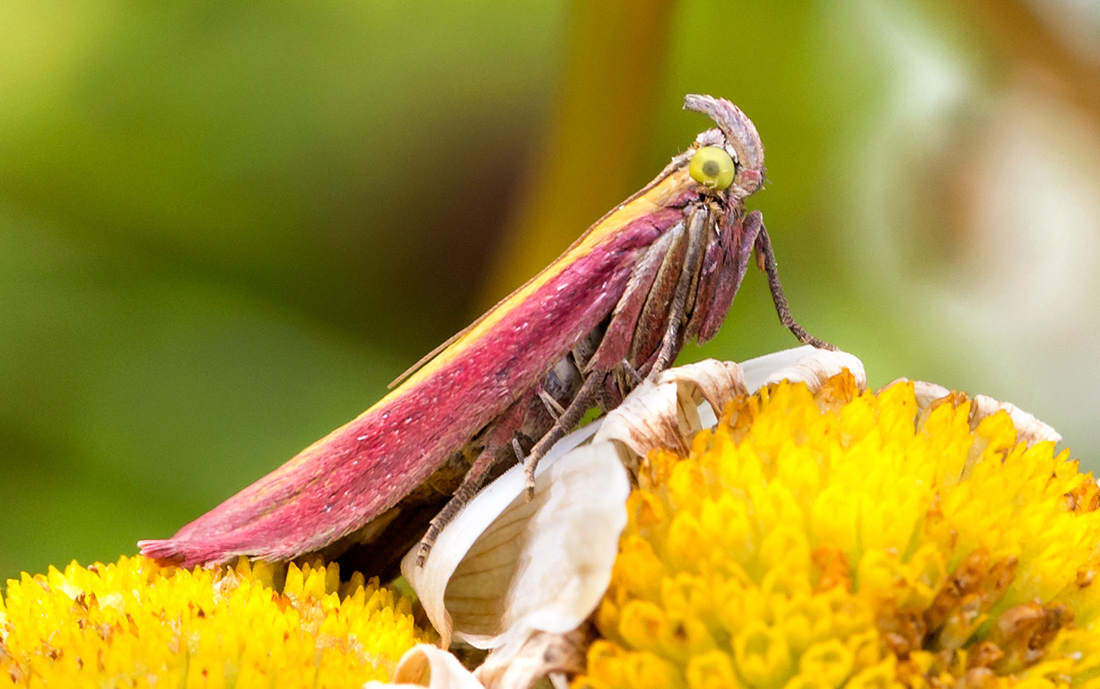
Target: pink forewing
358, 471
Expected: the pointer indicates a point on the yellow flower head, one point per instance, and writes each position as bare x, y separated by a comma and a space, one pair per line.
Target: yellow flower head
849, 539
136, 624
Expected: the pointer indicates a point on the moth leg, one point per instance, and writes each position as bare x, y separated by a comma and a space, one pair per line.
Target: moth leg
648, 330
618, 384
494, 454
729, 248
552, 406
634, 305
636, 309
679, 250
568, 419
673, 337
765, 259
474, 480
630, 375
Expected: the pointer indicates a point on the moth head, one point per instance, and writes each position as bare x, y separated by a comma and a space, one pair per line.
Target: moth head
736, 139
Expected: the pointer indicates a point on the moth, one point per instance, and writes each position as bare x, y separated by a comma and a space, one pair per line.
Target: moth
659, 270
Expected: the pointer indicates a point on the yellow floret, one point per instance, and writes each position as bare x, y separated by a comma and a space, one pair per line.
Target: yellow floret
851, 540
136, 624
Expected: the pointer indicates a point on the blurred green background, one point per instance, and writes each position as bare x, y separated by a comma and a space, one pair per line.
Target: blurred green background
224, 227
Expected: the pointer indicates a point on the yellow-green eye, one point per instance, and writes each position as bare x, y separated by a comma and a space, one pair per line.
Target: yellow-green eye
712, 167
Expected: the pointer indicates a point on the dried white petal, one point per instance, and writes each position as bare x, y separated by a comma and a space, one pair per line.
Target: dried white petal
1029, 429
667, 414
806, 364
506, 566
926, 393
428, 666
717, 382
654, 415
524, 661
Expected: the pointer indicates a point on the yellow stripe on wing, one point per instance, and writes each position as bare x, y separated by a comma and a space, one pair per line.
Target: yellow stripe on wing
656, 196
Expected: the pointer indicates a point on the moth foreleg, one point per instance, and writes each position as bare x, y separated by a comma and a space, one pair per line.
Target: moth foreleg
765, 258
496, 453
627, 377
614, 348
618, 338
553, 407
673, 339
569, 418
729, 249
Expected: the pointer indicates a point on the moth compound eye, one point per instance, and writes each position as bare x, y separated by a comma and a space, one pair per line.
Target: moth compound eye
712, 167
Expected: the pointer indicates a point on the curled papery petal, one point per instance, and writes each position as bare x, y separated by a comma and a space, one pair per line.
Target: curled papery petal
1029, 429
925, 392
523, 662
428, 666
656, 415
806, 364
716, 382
507, 566
667, 414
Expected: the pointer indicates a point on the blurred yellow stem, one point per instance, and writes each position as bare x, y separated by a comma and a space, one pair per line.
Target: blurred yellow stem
616, 52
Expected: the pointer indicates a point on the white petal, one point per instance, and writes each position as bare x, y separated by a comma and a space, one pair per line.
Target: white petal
806, 364
506, 566
428, 666
925, 392
715, 381
654, 415
525, 661
667, 414
1029, 429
